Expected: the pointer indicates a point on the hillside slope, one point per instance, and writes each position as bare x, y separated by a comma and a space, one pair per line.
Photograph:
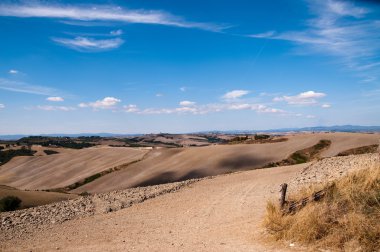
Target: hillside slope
59, 170
224, 213
169, 165
34, 198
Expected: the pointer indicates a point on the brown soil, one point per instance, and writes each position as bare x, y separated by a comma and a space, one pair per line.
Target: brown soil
224, 213
63, 169
360, 150
34, 198
169, 165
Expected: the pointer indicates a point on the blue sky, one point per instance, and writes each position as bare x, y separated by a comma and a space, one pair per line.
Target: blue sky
184, 66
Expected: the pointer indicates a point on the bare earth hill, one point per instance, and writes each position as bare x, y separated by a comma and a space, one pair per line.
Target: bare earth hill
161, 165
223, 213
59, 170
169, 165
34, 198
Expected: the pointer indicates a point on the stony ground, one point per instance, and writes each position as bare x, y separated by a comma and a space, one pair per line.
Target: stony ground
19, 223
220, 214
332, 168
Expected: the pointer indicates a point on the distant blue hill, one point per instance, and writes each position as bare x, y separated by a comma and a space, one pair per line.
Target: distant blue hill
16, 137
338, 128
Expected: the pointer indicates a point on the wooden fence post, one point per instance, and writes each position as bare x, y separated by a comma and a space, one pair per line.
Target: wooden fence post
283, 194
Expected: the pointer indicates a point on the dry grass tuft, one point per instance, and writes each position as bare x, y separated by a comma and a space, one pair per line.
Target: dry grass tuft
347, 218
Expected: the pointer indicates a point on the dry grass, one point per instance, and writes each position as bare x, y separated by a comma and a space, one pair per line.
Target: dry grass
346, 219
360, 150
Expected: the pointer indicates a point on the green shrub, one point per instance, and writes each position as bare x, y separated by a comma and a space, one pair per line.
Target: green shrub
7, 155
299, 158
261, 137
9, 203
92, 178
50, 152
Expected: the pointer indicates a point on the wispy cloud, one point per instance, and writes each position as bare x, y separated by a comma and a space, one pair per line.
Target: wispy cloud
2, 106
187, 107
13, 71
183, 89
90, 44
55, 108
106, 103
116, 32
268, 34
341, 29
131, 108
106, 13
305, 98
22, 87
55, 99
326, 106
187, 103
235, 94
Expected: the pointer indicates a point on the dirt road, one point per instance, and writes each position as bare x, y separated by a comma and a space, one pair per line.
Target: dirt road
219, 214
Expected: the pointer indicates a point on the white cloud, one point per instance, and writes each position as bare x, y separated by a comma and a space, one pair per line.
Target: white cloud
310, 116
267, 34
2, 106
55, 99
159, 95
187, 103
193, 108
17, 86
90, 44
104, 13
305, 98
13, 71
326, 106
341, 8
56, 108
116, 32
234, 94
183, 89
341, 29
106, 103
132, 108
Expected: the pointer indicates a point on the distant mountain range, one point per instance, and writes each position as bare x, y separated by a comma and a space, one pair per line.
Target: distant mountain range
16, 137
337, 128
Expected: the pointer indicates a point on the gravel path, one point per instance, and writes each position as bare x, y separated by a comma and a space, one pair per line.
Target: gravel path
224, 213
19, 223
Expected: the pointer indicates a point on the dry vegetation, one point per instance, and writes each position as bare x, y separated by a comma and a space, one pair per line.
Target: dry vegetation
256, 139
360, 150
304, 155
347, 218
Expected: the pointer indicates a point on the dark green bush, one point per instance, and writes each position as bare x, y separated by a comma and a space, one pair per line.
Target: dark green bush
92, 178
261, 137
7, 155
9, 203
50, 152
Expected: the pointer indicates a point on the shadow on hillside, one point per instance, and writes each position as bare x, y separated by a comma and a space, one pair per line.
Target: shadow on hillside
169, 177
244, 162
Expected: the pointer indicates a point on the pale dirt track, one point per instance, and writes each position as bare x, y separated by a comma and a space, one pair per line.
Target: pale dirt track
169, 165
63, 169
219, 214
